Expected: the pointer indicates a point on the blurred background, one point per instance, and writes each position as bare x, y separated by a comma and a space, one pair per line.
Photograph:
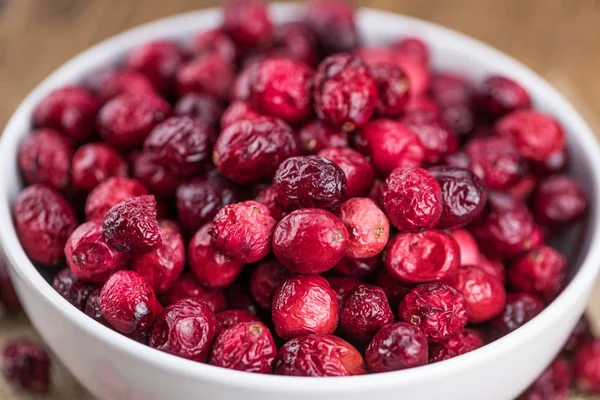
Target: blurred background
556, 38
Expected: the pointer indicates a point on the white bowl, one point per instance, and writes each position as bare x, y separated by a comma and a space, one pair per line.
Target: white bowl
114, 367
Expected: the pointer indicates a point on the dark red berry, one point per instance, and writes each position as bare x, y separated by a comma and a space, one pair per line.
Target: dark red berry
555, 163
553, 383
238, 111
110, 84
396, 346
422, 103
209, 73
215, 41
265, 279
92, 308
247, 22
519, 309
200, 106
393, 87
8, 295
75, 291
186, 287
368, 227
461, 343
315, 136
268, 197
228, 318
94, 163
156, 178
332, 22
580, 335
496, 161
109, 193
448, 89
587, 367
238, 297
559, 200
413, 48
364, 311
355, 267
394, 289
433, 132
240, 90
26, 365
500, 95
342, 285
522, 190
460, 118
294, 40
356, 167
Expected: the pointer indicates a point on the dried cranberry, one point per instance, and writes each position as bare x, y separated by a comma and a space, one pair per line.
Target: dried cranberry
304, 304
249, 151
319, 355
519, 309
461, 343
26, 365
492, 266
496, 161
555, 163
94, 163
437, 309
247, 22
266, 278
210, 73
469, 251
368, 227
579, 335
228, 318
421, 103
433, 132
294, 40
45, 157
186, 287
355, 267
559, 200
412, 199
158, 61
332, 22
238, 111
75, 291
310, 241
586, 367
215, 41
390, 145
92, 308
364, 311
396, 346
131, 225
157, 178
522, 190
448, 89
43, 220
109, 193
315, 136
393, 87
357, 169
500, 95
70, 110
240, 89
342, 286
210, 266
126, 120
460, 118
200, 106
418, 73
110, 84
268, 197
413, 48
345, 94
246, 346
463, 196
185, 329
553, 383
8, 295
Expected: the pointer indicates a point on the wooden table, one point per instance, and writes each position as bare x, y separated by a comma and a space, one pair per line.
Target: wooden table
556, 38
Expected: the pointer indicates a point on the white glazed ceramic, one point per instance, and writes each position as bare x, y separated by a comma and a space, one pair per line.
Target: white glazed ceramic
113, 367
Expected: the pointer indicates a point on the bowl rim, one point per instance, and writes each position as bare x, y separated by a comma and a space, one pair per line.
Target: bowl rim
26, 272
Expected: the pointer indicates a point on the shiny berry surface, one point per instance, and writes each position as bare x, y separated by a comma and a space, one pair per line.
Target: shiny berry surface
519, 309
187, 287
357, 169
94, 163
559, 200
396, 346
315, 136
364, 311
109, 193
368, 227
74, 290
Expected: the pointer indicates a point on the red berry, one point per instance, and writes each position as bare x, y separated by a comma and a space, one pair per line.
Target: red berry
413, 48
319, 355
460, 118
247, 22
469, 251
418, 73
310, 181
437, 309
110, 84
26, 365
246, 346
240, 90
8, 295
228, 318
209, 73
555, 163
500, 95
266, 278
580, 335
421, 103
185, 329
43, 220
394, 290
186, 287
294, 40
304, 304
249, 151
238, 111
396, 346
109, 193
209, 265
342, 286
559, 200
522, 190
45, 157
128, 302
461, 343
373, 54
393, 87
92, 308
368, 227
315, 136
345, 94
200, 106
519, 309
434, 133
215, 41
268, 197
94, 163
310, 241
355, 267
412, 199
357, 169
364, 311
553, 383
448, 89
157, 178
587, 367
75, 291
496, 161
332, 22
70, 110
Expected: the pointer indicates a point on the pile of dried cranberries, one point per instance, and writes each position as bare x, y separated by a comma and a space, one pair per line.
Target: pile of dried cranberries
280, 199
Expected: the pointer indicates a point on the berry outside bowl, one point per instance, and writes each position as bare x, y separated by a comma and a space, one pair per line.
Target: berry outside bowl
114, 367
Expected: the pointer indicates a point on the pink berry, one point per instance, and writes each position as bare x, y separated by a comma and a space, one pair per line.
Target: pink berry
209, 73
246, 346
296, 41
304, 304
247, 22
73, 290
357, 169
110, 84
461, 343
237, 111
310, 241
374, 54
553, 383
45, 157
396, 346
469, 250
70, 110
268, 197
156, 178
131, 225
200, 106
109, 193
500, 95
355, 267
364, 311
519, 309
209, 265
319, 355
215, 41
434, 133
315, 136
43, 220
496, 161
26, 365
559, 200
265, 279
186, 287
333, 23
393, 87
437, 309
394, 290
94, 163
586, 367
412, 199
342, 286
413, 48
228, 318
368, 227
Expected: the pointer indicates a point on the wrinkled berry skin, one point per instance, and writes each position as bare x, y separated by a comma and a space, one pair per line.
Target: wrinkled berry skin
461, 343
282, 89
586, 370
131, 225
128, 302
463, 196
422, 257
558, 200
304, 304
109, 193
75, 291
181, 144
390, 145
396, 346
94, 163
553, 383
541, 272
45, 157
162, 267
228, 318
243, 231
500, 95
519, 309
300, 233
249, 151
200, 106
310, 181
209, 265
355, 267
199, 199
437, 309
187, 287
332, 22
496, 161
357, 169
412, 199
364, 311
434, 133
26, 365
368, 227
247, 22
70, 110
89, 257
238, 111
393, 87
265, 279
484, 294
209, 73
156, 178
345, 94
315, 136
43, 220
580, 334
246, 346
319, 355
110, 84
185, 329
